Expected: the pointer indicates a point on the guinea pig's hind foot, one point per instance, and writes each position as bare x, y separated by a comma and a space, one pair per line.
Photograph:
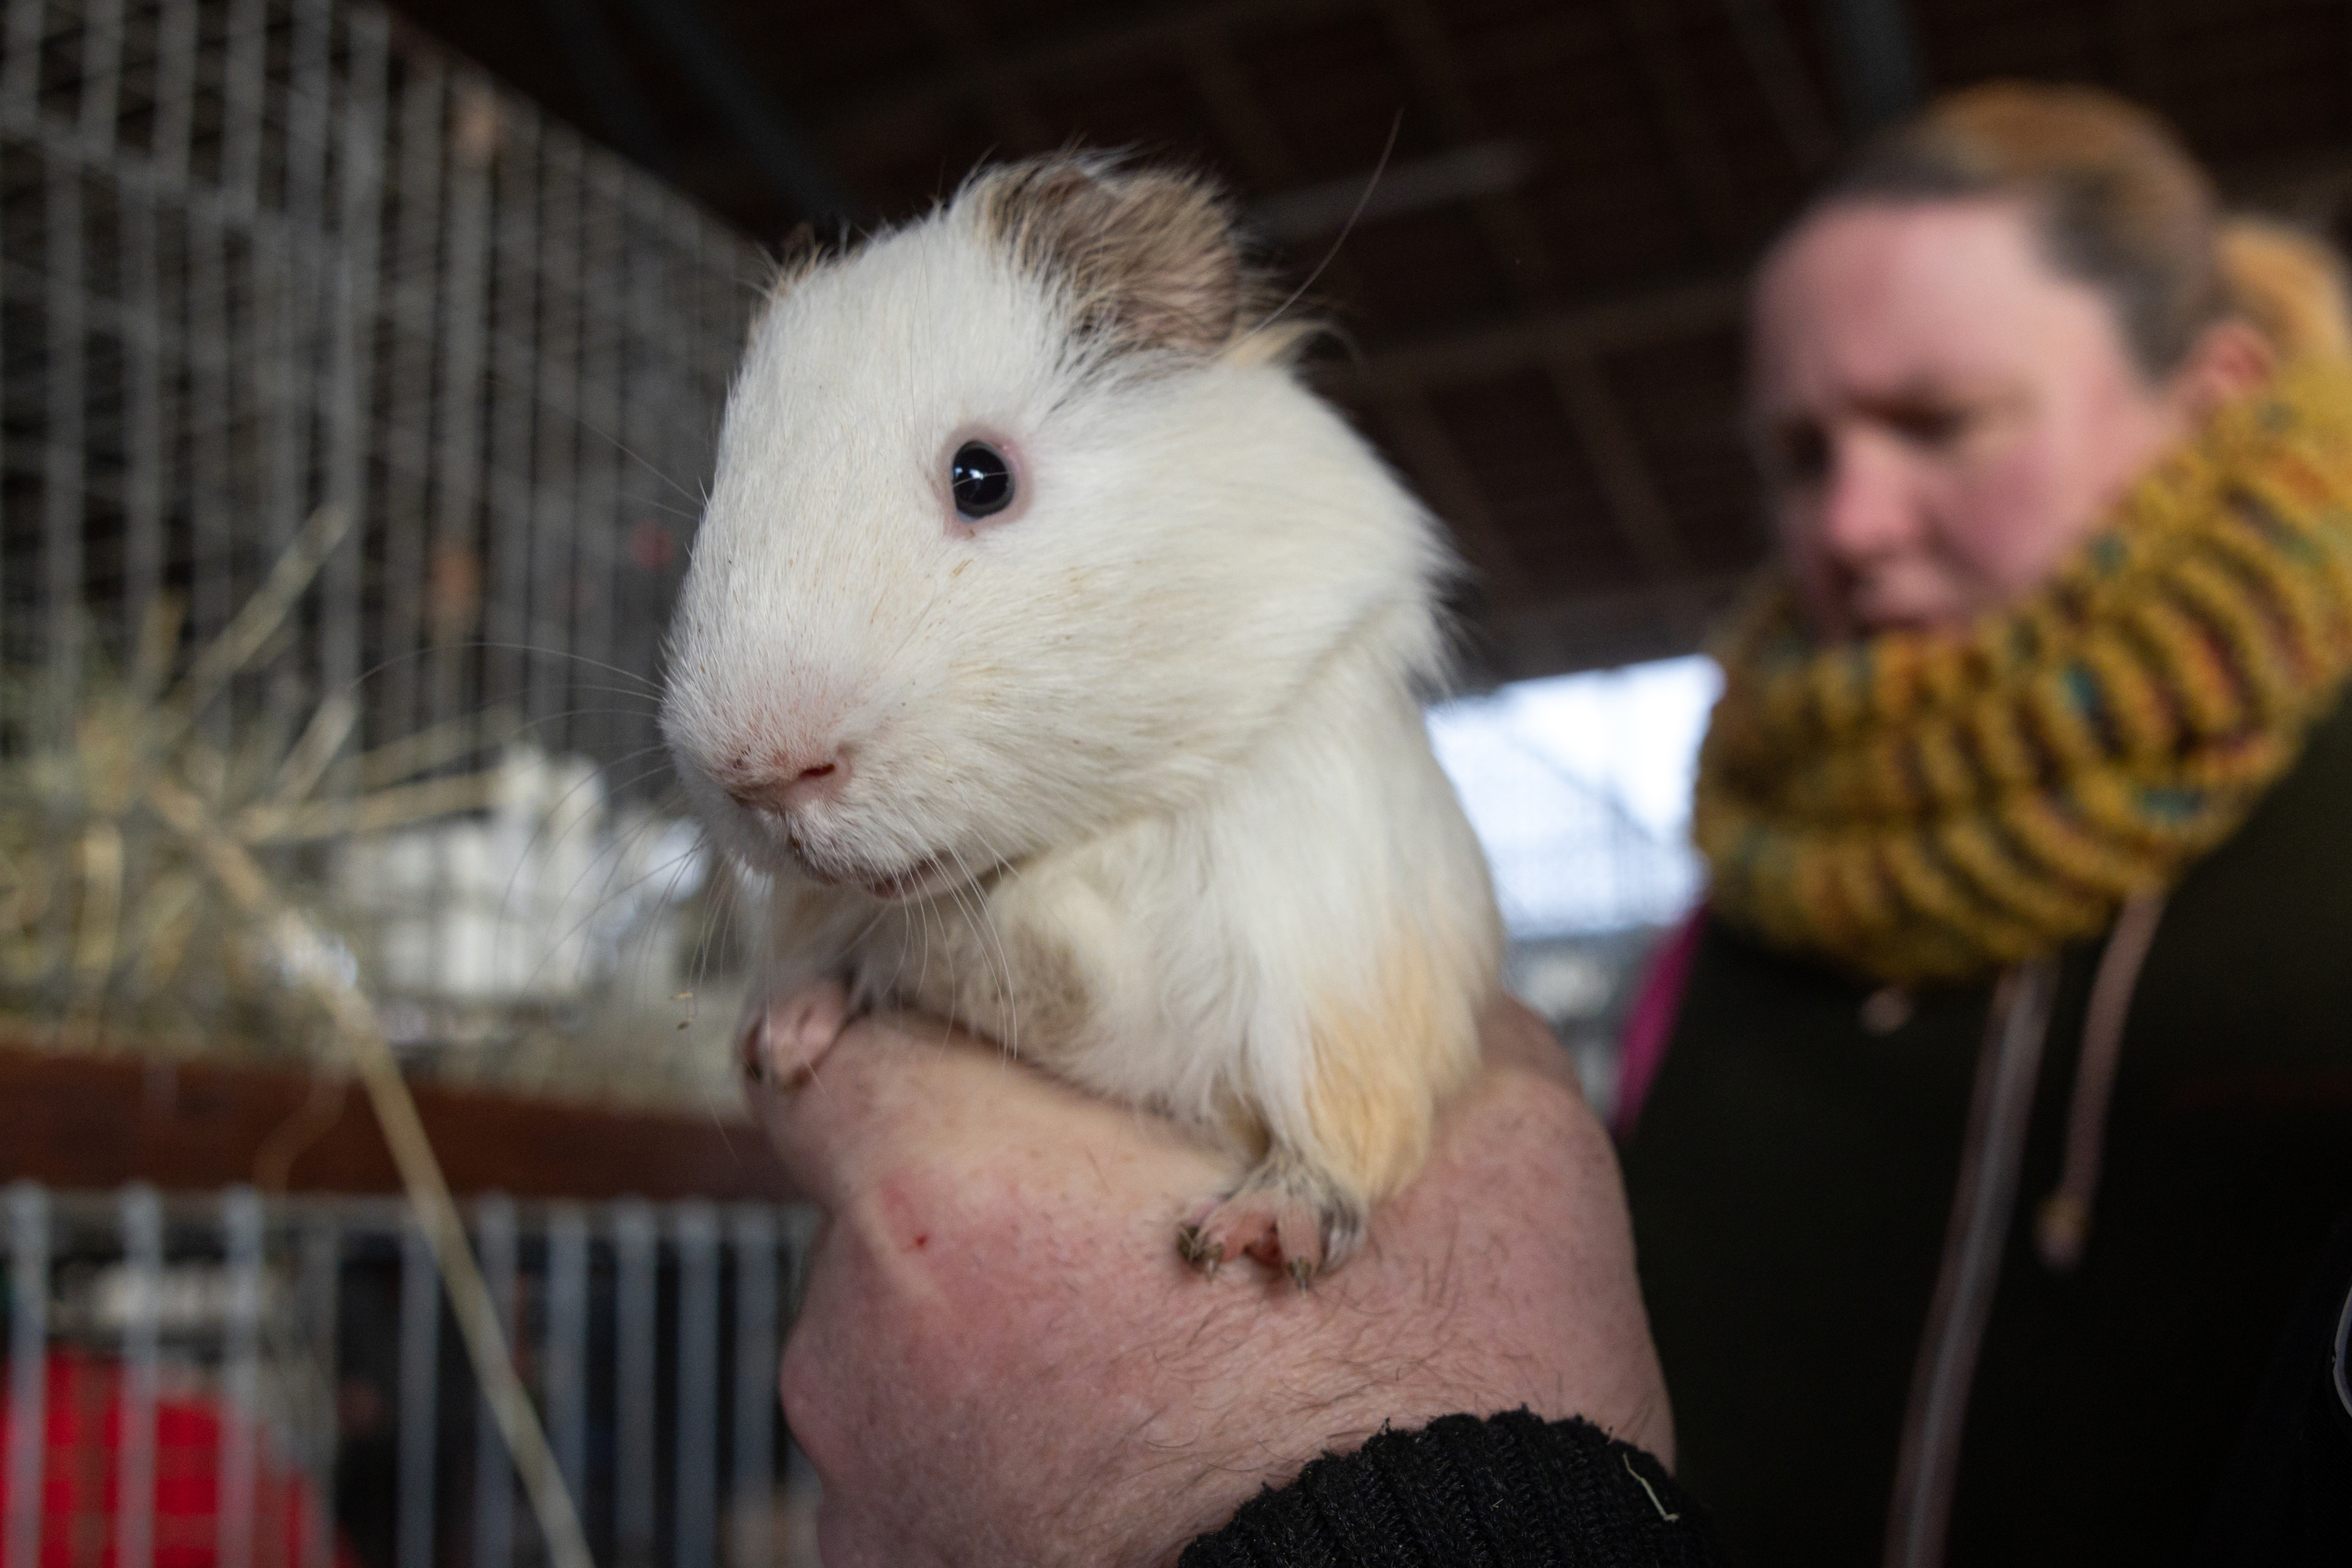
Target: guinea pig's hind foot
1284, 1214
782, 1043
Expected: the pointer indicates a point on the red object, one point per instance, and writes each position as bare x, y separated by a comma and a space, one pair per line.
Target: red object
1650, 1026
82, 1478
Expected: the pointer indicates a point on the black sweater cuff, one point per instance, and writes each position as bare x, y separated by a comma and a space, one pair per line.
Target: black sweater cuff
1509, 1490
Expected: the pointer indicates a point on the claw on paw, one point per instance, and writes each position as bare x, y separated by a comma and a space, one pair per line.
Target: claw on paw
1291, 1216
1273, 1226
1194, 1248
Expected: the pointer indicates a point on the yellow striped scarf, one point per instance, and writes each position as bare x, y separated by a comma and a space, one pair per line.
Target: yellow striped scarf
1923, 806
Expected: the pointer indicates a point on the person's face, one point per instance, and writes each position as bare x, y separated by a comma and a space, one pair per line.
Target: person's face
1941, 416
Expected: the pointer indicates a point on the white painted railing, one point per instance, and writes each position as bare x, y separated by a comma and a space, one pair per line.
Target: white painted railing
313, 1330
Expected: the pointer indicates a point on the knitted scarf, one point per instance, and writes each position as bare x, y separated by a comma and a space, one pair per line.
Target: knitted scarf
1934, 806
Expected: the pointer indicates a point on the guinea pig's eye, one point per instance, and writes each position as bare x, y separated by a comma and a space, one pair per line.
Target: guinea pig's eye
981, 480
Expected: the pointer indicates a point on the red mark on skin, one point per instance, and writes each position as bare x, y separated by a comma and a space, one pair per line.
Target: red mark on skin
923, 1241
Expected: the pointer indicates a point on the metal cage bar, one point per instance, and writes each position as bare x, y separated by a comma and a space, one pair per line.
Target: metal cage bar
29, 1297
142, 1244
265, 258
267, 255
695, 1491
261, 1307
420, 1388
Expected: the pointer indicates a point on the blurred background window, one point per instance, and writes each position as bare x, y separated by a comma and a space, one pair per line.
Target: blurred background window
1579, 787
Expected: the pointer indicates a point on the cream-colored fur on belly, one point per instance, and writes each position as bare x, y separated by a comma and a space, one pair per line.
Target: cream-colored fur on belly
1301, 961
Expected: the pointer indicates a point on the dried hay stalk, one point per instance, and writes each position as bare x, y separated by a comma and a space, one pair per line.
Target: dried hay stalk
97, 907
79, 846
308, 957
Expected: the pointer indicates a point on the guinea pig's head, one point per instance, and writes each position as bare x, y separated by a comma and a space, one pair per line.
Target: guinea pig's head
1023, 526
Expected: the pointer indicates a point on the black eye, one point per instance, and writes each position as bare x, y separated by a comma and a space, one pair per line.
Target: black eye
981, 480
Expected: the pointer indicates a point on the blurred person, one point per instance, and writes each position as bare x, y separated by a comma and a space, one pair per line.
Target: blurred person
1997, 1107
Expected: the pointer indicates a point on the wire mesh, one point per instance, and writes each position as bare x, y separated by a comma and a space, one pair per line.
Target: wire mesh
260, 257
221, 1379
270, 266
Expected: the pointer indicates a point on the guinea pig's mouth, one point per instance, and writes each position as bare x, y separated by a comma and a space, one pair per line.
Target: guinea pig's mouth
920, 880
929, 875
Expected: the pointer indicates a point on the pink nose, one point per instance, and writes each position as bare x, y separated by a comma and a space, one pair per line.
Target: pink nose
781, 792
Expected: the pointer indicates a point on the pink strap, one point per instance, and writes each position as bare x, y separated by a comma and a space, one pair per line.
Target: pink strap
1651, 1023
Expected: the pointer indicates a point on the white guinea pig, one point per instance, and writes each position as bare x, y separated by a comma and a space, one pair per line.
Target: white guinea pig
1057, 653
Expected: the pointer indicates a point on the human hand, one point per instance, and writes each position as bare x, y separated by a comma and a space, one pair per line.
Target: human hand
1002, 1358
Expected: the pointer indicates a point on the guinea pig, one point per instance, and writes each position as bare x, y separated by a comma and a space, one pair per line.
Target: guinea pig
1059, 655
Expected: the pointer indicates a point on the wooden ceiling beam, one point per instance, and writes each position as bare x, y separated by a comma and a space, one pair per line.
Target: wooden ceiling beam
1573, 370
1718, 209
1420, 440
1391, 190
1589, 328
1579, 631
1518, 250
716, 67
1632, 492
1027, 62
1422, 48
1877, 58
1791, 96
2134, 31
1009, 107
1236, 113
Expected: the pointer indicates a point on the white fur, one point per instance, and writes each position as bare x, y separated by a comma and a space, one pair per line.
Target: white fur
1166, 719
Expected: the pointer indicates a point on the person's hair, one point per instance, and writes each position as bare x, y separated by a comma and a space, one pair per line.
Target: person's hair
2118, 204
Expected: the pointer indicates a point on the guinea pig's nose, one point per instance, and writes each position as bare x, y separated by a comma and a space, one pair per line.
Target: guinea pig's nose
784, 790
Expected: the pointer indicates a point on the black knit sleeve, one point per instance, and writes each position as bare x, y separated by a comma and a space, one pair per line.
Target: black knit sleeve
1509, 1489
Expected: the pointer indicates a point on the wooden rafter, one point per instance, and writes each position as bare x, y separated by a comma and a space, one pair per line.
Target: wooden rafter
1625, 479
1790, 94
1427, 55
1008, 105
1589, 329
1237, 115
1517, 245
1420, 438
1877, 54
1718, 209
2135, 32
1061, 57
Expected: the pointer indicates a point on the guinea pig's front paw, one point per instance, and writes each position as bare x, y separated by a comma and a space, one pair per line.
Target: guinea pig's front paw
782, 1043
1285, 1214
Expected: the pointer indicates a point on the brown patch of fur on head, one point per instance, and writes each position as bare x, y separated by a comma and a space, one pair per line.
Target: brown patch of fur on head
1151, 258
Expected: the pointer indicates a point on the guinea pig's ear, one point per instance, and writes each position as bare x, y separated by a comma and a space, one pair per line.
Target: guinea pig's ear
1151, 256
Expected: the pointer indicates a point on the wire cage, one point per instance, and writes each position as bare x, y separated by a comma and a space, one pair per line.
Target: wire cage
355, 418
222, 1378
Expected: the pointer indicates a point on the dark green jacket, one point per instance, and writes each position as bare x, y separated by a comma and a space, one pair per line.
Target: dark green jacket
1792, 1176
